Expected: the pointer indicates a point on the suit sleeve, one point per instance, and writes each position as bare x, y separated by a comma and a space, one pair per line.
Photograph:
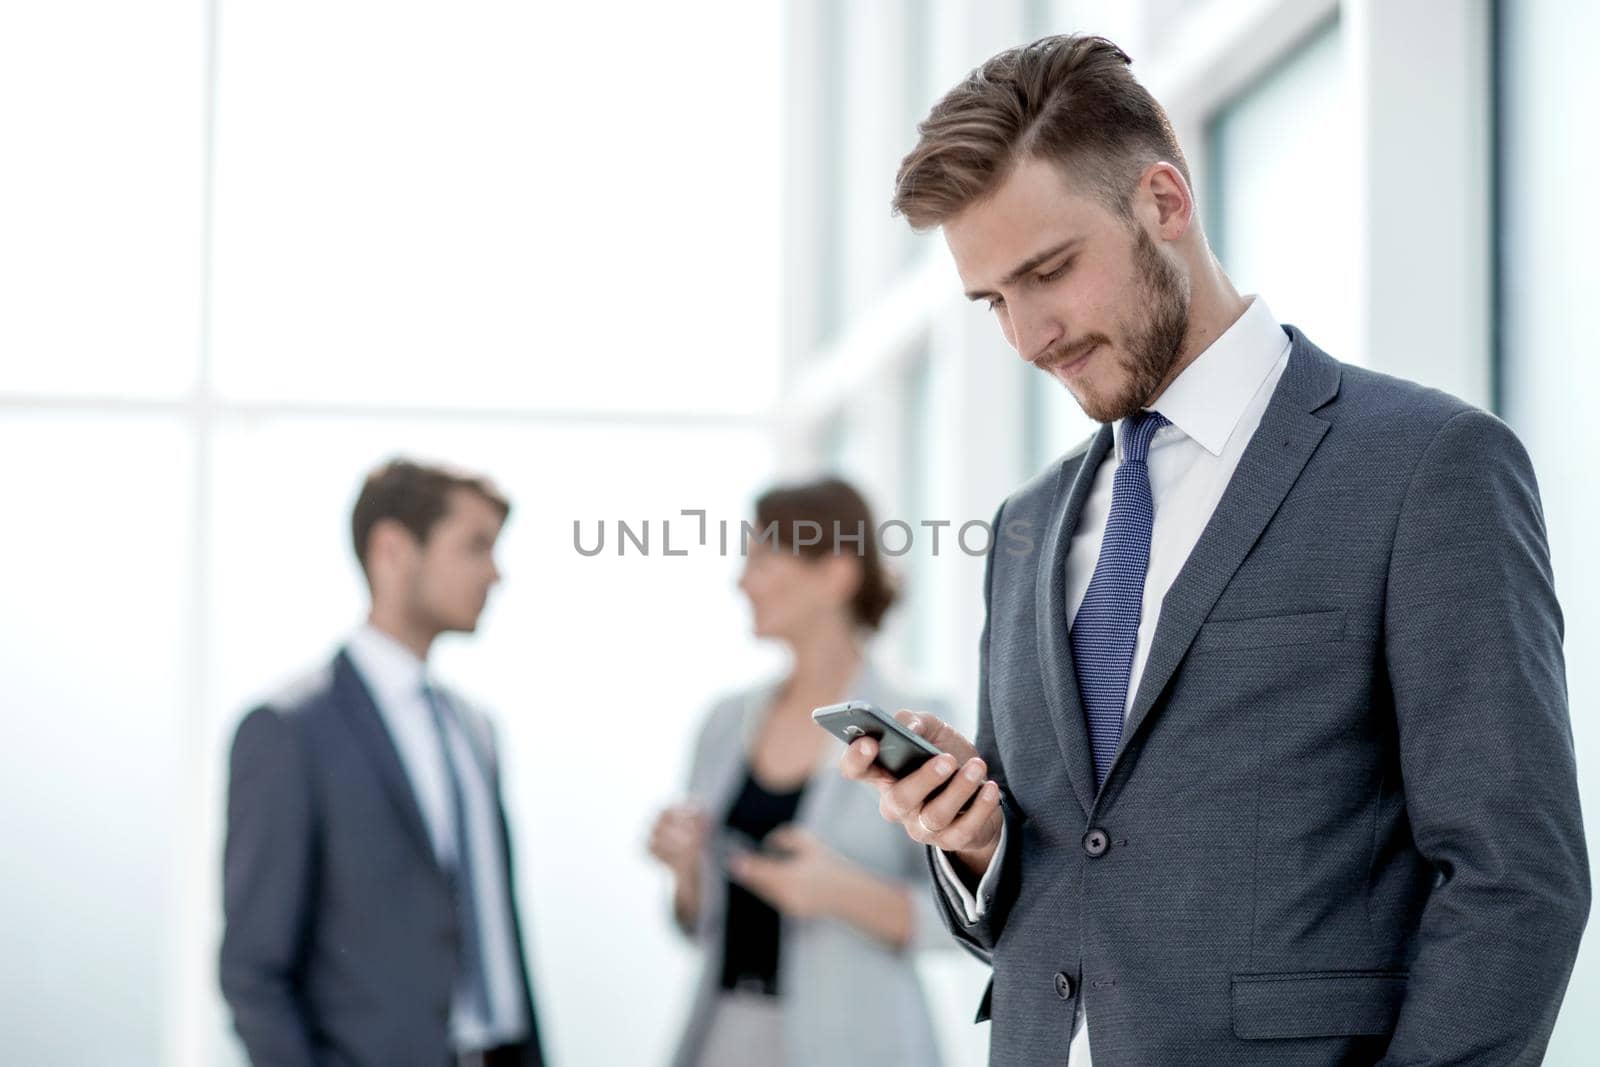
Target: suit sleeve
697, 775
979, 937
1472, 642
267, 869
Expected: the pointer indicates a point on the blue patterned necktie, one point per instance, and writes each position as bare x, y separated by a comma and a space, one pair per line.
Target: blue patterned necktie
1107, 625
473, 979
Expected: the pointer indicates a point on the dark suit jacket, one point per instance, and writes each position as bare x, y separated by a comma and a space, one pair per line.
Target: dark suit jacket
340, 946
1343, 825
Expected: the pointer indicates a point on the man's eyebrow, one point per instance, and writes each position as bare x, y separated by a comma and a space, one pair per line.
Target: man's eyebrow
1028, 265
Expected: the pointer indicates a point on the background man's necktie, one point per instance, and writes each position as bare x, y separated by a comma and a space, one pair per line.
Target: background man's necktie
474, 981
1107, 625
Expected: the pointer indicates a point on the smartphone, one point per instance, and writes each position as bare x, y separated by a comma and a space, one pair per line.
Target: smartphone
728, 842
899, 750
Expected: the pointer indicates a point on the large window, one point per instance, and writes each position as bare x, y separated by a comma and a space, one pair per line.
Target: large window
102, 244
1282, 203
882, 75
483, 217
98, 671
250, 250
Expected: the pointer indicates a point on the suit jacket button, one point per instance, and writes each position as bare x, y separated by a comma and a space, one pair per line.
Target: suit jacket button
1095, 843
1063, 986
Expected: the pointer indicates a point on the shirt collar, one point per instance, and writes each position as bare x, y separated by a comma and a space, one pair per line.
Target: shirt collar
392, 670
1209, 398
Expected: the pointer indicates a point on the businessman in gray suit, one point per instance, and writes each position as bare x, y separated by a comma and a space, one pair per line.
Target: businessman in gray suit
1273, 761
367, 885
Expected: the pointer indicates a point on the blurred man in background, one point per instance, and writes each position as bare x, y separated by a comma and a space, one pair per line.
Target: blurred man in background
1273, 759
371, 918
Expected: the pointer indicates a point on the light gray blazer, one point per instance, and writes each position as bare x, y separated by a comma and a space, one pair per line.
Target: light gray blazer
1343, 825
847, 999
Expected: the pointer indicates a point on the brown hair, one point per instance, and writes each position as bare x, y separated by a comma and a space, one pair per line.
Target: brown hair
1069, 99
834, 514
416, 496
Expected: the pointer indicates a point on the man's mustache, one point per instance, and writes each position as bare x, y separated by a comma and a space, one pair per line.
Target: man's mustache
1058, 354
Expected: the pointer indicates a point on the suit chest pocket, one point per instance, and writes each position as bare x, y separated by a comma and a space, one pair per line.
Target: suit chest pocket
1300, 628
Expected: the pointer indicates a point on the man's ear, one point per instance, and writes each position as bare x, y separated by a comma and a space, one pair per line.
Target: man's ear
389, 545
1167, 199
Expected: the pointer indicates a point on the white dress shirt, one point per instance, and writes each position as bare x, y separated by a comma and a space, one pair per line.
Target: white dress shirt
395, 677
1213, 408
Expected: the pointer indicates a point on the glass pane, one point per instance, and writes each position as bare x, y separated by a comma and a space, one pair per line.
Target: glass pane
1038, 18
843, 448
1285, 143
919, 91
832, 169
1548, 276
598, 669
512, 205
94, 561
919, 480
101, 115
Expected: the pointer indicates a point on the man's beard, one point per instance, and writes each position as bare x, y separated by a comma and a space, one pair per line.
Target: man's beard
1151, 347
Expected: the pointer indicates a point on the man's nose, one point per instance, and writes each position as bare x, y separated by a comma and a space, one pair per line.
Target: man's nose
1036, 331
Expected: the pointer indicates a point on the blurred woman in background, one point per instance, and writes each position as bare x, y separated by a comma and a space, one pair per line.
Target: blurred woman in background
806, 904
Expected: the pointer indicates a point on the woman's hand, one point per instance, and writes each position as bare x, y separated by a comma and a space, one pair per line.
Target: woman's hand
677, 840
679, 837
807, 883
814, 881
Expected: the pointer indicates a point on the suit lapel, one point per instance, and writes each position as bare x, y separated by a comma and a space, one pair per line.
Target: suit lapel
1055, 651
1282, 445
363, 718
504, 826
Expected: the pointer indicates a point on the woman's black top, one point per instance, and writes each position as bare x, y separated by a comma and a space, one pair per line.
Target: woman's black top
750, 941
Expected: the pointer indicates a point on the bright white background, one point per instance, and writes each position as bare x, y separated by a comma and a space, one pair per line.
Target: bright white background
626, 258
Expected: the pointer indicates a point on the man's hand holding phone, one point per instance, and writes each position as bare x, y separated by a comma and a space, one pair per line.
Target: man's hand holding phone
971, 835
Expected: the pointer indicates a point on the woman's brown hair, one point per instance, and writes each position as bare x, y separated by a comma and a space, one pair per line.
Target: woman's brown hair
824, 518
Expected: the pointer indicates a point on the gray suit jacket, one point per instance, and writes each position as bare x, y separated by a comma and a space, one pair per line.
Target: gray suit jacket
848, 1001
340, 945
1343, 825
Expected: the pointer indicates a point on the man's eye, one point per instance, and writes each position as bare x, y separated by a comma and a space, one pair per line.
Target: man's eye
1058, 272
995, 303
